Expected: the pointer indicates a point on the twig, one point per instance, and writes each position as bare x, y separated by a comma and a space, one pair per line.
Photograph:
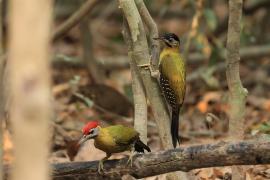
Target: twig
184, 159
237, 94
74, 19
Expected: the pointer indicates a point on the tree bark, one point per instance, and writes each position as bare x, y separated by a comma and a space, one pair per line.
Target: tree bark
2, 104
139, 96
237, 93
30, 113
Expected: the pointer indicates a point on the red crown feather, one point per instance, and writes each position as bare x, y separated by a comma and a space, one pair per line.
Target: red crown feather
89, 126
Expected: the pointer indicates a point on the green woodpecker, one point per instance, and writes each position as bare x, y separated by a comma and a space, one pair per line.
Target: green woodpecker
172, 79
113, 139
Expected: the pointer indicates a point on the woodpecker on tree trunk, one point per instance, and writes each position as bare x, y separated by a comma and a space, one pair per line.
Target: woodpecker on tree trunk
172, 79
113, 139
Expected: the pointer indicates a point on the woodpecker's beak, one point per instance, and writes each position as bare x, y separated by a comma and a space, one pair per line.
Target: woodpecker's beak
83, 139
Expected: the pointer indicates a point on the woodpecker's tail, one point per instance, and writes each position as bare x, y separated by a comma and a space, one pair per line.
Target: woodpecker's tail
140, 146
175, 126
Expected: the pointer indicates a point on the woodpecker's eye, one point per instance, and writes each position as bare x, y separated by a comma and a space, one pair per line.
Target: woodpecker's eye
91, 131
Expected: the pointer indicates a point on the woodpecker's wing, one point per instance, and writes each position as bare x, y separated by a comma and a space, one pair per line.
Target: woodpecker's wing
172, 69
123, 135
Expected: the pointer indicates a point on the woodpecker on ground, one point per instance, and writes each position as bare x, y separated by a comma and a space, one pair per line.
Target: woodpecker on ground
113, 139
172, 79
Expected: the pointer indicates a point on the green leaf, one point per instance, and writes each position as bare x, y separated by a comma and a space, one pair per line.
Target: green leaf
211, 19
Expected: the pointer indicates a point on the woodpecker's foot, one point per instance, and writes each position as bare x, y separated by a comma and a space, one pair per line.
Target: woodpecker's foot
130, 160
100, 167
154, 73
100, 163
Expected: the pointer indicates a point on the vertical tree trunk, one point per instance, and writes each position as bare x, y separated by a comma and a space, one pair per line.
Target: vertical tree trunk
139, 96
237, 94
30, 113
1, 91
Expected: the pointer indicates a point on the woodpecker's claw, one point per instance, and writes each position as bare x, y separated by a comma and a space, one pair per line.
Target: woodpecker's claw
130, 160
154, 73
100, 163
100, 166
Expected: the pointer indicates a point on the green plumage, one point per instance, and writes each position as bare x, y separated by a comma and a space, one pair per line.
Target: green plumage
113, 139
172, 67
173, 83
118, 138
122, 135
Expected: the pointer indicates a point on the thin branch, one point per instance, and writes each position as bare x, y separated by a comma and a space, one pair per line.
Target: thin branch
237, 94
74, 19
184, 159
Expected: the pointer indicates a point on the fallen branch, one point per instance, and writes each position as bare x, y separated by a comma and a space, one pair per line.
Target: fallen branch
184, 159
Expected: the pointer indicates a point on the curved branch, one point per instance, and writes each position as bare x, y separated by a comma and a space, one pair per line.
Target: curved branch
74, 19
